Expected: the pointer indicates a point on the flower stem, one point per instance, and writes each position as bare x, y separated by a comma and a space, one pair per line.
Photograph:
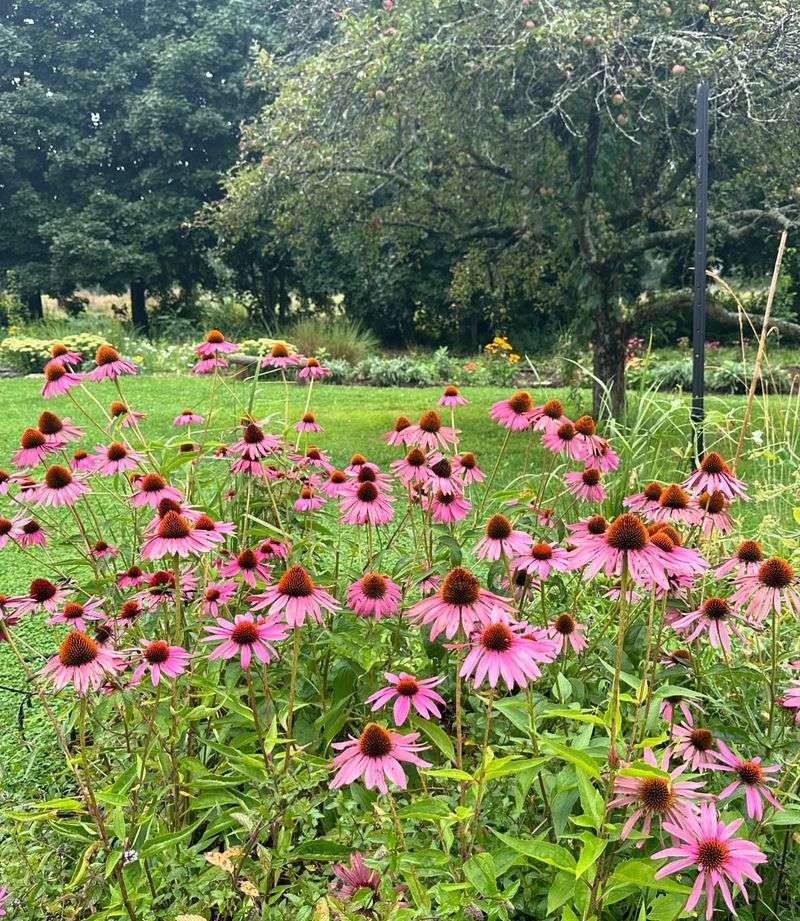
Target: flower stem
292, 693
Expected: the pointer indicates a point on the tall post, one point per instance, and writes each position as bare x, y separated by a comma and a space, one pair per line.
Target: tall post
699, 303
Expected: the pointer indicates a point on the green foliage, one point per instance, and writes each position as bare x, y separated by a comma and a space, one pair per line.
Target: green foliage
30, 355
336, 337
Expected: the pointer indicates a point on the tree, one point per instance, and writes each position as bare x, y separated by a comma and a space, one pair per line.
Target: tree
116, 121
558, 131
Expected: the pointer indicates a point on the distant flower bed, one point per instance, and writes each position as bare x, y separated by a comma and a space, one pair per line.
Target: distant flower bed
303, 686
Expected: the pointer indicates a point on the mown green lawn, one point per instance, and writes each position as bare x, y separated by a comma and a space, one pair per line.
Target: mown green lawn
354, 419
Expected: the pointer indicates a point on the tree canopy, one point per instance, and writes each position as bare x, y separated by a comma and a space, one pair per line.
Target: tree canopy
457, 156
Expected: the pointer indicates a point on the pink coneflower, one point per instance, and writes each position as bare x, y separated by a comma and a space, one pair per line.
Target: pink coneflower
541, 559
159, 658
669, 704
451, 397
312, 370
82, 662
246, 636
681, 561
207, 365
28, 532
675, 505
57, 379
82, 460
130, 611
255, 443
103, 550
429, 433
308, 500
366, 504
751, 774
274, 549
295, 597
460, 602
790, 699
585, 484
503, 648
6, 530
42, 595
109, 365
413, 468
336, 484
5, 481
122, 413
151, 488
676, 658
589, 442
215, 531
715, 514
76, 614
217, 594
3, 899
716, 618
374, 595
280, 357
254, 468
441, 477
708, 844
132, 577
115, 458
401, 433
714, 475
625, 540
349, 879
175, 536
694, 745
568, 632
188, 417
513, 413
548, 417
313, 457
772, 588
408, 691
375, 756
447, 508
65, 354
59, 488
562, 440
249, 565
500, 539
602, 456
308, 423
58, 431
667, 799
646, 501
358, 463
214, 343
34, 447
745, 561
467, 467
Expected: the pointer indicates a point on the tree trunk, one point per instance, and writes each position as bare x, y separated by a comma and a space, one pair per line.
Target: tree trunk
33, 302
608, 388
138, 308
284, 301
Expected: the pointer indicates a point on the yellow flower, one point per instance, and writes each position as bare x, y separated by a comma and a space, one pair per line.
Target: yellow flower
513, 358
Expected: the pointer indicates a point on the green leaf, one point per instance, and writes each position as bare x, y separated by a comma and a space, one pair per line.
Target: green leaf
320, 849
515, 710
561, 889
643, 769
673, 690
162, 842
575, 756
641, 874
481, 872
427, 808
591, 800
439, 738
788, 816
582, 716
592, 848
509, 765
552, 854
451, 773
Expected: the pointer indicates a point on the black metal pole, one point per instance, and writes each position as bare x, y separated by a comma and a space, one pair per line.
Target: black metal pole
699, 303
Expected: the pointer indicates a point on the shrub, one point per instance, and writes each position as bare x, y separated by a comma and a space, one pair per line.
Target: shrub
30, 355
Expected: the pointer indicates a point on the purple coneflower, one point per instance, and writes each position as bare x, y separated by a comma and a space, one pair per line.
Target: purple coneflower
295, 597
280, 357
751, 774
541, 559
513, 413
646, 501
217, 594
59, 488
82, 662
467, 467
151, 488
255, 443
459, 602
451, 397
500, 539
308, 423
109, 365
366, 504
246, 636
349, 879
429, 433
771, 589
188, 417
376, 756
708, 844
585, 484
374, 595
308, 500
714, 475
175, 536
503, 648
548, 417
77, 614
34, 447
715, 513
312, 370
408, 691
400, 434
715, 617
568, 633
159, 658
57, 379
114, 458
694, 745
745, 561
214, 343
248, 564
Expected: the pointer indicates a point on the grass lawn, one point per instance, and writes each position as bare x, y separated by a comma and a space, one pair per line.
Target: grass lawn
354, 419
